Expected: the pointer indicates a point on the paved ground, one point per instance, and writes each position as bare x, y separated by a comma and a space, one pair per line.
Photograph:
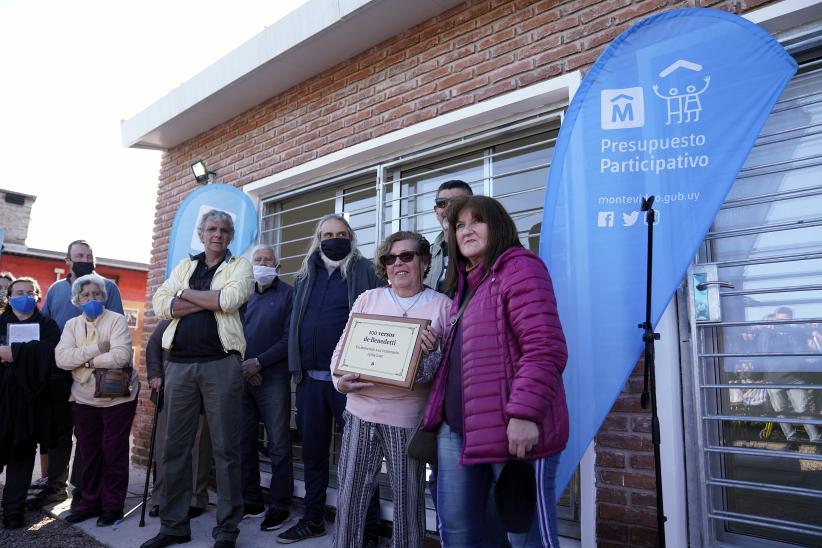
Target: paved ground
43, 530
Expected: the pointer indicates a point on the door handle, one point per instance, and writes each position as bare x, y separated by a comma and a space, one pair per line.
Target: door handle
704, 285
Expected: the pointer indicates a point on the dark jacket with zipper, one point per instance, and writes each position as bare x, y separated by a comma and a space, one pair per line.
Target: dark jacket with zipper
359, 277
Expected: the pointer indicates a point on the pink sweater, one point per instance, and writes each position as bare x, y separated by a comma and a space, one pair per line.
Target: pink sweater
386, 404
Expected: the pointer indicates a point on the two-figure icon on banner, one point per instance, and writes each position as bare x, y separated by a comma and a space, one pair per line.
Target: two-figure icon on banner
625, 107
605, 219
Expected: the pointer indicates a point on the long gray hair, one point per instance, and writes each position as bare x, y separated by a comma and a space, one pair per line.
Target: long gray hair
315, 246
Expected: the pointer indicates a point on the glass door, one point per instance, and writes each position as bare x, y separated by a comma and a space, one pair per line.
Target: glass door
755, 314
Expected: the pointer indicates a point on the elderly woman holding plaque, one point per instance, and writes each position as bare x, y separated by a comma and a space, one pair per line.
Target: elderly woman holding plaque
381, 414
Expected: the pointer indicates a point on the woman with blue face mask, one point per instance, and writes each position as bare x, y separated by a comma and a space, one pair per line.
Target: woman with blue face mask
33, 392
96, 348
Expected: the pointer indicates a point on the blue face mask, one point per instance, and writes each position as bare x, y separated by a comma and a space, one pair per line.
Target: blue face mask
92, 309
23, 304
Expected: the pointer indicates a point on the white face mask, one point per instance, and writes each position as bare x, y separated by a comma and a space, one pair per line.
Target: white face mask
264, 275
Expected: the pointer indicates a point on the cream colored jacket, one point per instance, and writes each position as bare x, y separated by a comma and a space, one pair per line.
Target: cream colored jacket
71, 355
234, 279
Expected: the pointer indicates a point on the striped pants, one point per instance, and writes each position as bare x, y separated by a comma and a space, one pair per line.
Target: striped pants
364, 444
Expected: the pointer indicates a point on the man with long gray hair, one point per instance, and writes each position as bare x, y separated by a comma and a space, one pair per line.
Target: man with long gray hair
332, 276
202, 300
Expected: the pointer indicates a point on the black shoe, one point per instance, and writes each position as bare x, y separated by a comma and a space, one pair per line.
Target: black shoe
195, 512
13, 521
162, 540
224, 544
45, 497
109, 518
154, 512
253, 510
371, 540
76, 499
274, 520
302, 530
77, 517
39, 484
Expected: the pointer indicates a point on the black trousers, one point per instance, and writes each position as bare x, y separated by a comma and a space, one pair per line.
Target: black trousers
59, 458
318, 405
18, 478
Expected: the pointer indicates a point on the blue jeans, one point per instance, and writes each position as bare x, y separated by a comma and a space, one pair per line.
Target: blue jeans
270, 402
466, 520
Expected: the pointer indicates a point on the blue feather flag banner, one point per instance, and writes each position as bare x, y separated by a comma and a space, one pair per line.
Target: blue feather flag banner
671, 109
185, 241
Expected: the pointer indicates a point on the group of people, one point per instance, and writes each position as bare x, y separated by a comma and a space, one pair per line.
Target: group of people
65, 370
233, 337
782, 373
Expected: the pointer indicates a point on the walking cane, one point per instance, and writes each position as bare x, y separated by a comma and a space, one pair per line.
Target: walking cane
151, 455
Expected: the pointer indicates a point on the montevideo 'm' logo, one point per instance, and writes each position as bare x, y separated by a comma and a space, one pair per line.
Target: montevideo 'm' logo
622, 108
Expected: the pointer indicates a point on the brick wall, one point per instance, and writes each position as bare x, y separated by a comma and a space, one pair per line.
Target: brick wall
475, 51
14, 218
625, 478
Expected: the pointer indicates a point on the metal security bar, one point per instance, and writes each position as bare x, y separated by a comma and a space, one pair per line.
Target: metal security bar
510, 163
757, 374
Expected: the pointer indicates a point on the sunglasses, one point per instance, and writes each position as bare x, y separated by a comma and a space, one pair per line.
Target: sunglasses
404, 257
442, 203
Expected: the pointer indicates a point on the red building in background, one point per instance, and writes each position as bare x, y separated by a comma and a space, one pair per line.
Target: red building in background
48, 266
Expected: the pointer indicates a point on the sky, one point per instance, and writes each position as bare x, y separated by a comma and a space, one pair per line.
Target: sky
69, 73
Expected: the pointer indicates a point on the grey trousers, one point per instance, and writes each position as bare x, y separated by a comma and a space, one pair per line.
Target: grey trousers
218, 386
200, 462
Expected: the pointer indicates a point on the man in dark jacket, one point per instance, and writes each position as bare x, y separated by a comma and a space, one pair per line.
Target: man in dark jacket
332, 276
267, 390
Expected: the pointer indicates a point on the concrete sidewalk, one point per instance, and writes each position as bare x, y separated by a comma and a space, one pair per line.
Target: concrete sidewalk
128, 533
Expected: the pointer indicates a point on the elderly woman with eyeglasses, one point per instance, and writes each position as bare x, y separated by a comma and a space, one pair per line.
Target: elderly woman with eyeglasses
33, 392
380, 419
99, 340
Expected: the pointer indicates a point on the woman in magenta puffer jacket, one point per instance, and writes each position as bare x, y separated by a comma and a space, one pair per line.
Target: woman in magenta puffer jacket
499, 392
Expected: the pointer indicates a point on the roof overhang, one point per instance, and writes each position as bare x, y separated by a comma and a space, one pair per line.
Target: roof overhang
316, 36
25, 251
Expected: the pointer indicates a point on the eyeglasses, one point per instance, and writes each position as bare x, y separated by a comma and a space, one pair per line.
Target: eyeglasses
404, 257
442, 203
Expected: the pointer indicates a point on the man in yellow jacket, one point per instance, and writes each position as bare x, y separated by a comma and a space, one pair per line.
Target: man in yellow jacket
202, 298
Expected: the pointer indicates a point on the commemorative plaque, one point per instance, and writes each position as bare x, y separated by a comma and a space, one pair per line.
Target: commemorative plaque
382, 349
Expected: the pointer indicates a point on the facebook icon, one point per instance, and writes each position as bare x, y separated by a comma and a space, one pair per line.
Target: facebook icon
622, 108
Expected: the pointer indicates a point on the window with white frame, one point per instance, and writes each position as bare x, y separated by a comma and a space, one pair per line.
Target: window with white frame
511, 166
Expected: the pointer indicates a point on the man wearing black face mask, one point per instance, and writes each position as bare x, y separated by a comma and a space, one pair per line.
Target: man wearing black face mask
332, 276
58, 307
80, 261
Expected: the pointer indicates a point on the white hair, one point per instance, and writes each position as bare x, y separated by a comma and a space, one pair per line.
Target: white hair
215, 215
315, 245
82, 281
260, 247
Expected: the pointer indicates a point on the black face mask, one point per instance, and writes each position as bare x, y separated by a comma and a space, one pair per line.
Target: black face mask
81, 268
336, 249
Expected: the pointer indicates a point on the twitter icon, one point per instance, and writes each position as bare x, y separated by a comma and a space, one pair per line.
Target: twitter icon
628, 219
